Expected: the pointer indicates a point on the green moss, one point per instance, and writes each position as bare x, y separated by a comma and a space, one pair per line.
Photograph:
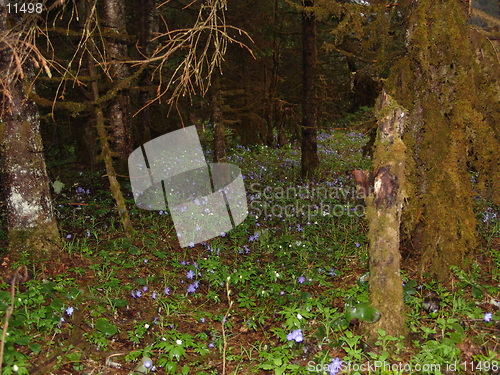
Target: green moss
38, 243
451, 129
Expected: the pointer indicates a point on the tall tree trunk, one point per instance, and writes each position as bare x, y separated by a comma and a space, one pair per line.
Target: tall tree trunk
273, 82
83, 129
449, 130
118, 113
218, 120
149, 29
309, 160
31, 221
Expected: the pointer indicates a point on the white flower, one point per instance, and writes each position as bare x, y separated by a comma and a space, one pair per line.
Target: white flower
178, 342
299, 317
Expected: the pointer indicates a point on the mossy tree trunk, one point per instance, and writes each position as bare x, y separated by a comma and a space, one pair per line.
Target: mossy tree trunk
107, 154
309, 159
446, 83
384, 207
31, 221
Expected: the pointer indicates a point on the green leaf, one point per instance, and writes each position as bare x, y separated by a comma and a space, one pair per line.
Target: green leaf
477, 293
170, 367
22, 340
456, 337
362, 311
57, 186
35, 348
74, 356
119, 302
104, 326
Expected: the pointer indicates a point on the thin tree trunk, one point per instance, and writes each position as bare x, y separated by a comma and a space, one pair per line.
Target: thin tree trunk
106, 155
119, 118
218, 120
273, 83
31, 221
309, 160
149, 29
82, 129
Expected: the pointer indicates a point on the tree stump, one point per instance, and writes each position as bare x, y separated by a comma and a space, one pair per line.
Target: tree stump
384, 191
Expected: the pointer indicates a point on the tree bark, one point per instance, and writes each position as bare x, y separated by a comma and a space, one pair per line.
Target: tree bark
149, 29
106, 155
31, 221
383, 212
118, 112
309, 159
445, 80
218, 120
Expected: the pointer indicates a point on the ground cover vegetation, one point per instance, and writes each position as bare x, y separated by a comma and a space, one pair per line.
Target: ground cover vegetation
280, 293
367, 135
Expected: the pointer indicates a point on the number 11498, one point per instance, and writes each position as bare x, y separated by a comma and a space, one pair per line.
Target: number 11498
24, 8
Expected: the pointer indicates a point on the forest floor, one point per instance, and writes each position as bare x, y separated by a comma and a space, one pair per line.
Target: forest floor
270, 296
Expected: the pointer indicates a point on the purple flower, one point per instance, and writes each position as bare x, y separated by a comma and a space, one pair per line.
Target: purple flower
488, 317
191, 288
145, 288
138, 293
69, 311
191, 244
133, 294
153, 296
190, 274
332, 272
211, 345
301, 279
253, 237
335, 366
282, 293
183, 262
147, 363
145, 260
167, 291
295, 335
357, 244
202, 320
69, 236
